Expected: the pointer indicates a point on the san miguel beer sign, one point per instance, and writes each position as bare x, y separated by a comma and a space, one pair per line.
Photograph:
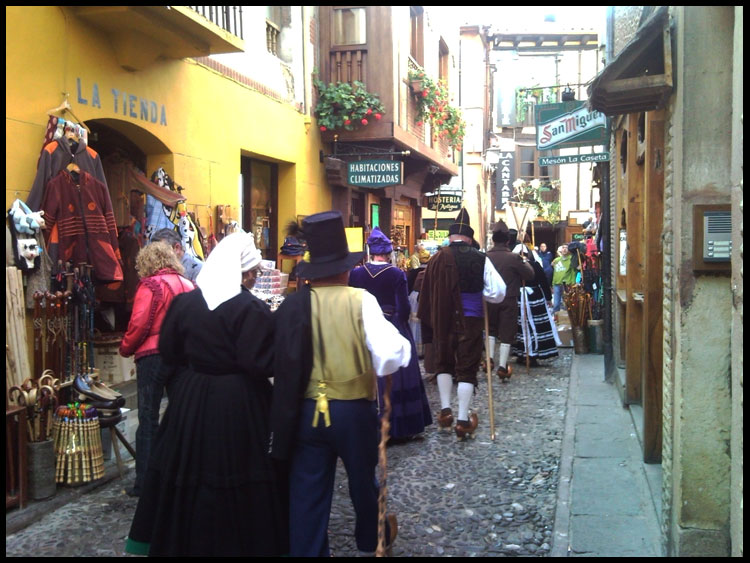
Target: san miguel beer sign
569, 124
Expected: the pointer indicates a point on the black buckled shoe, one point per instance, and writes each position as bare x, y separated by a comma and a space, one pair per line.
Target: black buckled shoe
445, 419
83, 387
112, 405
467, 428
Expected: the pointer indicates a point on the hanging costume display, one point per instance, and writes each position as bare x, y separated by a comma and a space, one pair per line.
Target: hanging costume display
56, 155
86, 231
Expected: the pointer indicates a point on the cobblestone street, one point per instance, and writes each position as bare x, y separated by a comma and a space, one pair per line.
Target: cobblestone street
461, 499
477, 498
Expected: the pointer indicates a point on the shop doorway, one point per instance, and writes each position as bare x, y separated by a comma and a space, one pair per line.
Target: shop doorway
122, 146
260, 192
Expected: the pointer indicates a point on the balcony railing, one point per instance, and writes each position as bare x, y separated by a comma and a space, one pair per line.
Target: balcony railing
348, 64
228, 18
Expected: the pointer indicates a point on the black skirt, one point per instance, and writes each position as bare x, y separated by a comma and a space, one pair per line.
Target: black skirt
210, 488
535, 326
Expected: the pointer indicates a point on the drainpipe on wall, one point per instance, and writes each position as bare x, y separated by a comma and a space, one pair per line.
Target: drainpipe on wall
460, 70
609, 362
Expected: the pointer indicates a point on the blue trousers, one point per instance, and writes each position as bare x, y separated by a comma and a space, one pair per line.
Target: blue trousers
557, 297
151, 381
353, 437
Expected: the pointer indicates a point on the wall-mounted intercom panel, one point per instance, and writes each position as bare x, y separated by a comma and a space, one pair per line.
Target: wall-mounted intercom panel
712, 238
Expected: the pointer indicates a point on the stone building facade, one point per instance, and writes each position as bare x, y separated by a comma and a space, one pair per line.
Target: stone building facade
701, 422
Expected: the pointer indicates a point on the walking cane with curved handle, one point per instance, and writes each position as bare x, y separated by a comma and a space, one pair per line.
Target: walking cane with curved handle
385, 426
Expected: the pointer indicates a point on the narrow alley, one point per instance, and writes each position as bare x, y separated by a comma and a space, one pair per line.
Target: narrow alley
514, 496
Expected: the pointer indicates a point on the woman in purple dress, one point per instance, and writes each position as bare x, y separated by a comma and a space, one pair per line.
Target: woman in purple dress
410, 411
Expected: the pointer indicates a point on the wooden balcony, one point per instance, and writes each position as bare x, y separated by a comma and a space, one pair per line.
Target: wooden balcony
399, 125
141, 34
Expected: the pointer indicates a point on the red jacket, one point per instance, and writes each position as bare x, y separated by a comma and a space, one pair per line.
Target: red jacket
152, 299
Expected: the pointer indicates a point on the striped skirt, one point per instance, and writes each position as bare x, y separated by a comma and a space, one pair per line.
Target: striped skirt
536, 326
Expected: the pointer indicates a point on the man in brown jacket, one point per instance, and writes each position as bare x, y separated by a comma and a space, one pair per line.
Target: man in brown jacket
456, 281
503, 317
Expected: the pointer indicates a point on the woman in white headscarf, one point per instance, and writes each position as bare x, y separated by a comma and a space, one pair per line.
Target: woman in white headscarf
211, 488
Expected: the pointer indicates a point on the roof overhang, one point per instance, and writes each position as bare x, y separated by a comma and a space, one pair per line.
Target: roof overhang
640, 76
529, 41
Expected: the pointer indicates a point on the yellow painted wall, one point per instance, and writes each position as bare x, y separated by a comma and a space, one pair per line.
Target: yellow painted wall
211, 120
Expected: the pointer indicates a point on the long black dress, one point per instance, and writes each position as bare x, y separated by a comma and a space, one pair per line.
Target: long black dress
211, 488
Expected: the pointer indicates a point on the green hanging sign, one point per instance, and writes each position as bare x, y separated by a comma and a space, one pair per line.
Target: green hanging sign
375, 173
569, 124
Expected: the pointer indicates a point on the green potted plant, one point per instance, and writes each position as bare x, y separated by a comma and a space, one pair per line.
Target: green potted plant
344, 105
432, 106
535, 193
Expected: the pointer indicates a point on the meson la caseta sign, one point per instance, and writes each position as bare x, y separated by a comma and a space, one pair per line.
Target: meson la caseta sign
569, 124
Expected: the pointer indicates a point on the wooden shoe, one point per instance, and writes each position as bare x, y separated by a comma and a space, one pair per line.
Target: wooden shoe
467, 428
483, 365
504, 373
445, 419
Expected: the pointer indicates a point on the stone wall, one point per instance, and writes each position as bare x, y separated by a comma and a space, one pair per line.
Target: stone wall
697, 404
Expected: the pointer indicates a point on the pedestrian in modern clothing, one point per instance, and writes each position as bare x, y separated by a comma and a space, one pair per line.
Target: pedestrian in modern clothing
417, 263
410, 411
536, 329
190, 263
211, 489
503, 317
546, 256
160, 282
450, 304
563, 276
331, 341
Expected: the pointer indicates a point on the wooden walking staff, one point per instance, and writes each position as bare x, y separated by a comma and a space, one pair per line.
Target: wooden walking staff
489, 370
385, 426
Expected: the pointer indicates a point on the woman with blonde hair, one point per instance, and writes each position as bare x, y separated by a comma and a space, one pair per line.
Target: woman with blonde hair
161, 280
211, 489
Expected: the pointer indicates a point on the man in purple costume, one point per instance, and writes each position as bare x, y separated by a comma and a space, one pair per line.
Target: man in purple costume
410, 409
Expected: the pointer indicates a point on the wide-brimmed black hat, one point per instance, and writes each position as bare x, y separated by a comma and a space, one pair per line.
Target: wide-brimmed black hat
326, 242
461, 226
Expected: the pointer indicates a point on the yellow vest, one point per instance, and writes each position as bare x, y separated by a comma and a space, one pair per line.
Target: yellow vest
342, 365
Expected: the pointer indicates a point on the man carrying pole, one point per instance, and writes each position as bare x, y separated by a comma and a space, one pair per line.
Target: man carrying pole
450, 304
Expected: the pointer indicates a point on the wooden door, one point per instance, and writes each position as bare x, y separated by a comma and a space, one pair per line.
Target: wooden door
650, 143
634, 279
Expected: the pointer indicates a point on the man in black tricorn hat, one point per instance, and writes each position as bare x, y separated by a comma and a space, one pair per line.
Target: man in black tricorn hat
331, 340
503, 317
450, 304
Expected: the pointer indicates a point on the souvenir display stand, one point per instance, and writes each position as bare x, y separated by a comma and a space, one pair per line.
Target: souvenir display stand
73, 264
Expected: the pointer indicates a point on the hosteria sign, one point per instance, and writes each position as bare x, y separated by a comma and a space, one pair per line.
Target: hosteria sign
445, 201
375, 173
569, 124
